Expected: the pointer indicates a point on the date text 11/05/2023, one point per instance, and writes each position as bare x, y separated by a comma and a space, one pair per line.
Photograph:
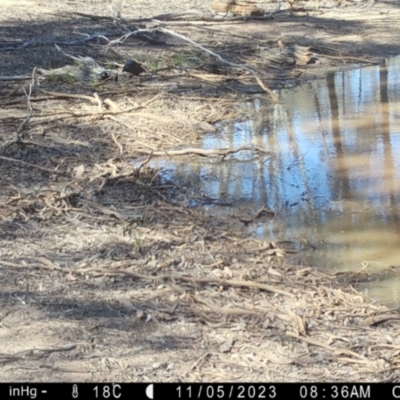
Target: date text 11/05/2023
278, 391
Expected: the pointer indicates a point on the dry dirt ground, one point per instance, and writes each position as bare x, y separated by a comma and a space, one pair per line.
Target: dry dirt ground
106, 272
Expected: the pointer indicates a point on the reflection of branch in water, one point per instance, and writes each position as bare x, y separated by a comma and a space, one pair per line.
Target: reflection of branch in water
204, 152
262, 211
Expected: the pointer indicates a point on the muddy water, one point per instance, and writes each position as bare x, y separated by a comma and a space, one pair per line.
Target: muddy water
332, 175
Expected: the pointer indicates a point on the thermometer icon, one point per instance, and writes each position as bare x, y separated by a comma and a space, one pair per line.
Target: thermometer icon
75, 391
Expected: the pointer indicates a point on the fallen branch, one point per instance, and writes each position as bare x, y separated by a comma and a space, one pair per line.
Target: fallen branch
377, 319
68, 96
363, 60
216, 281
51, 171
84, 15
201, 18
172, 16
235, 65
34, 42
95, 114
204, 152
47, 264
136, 33
60, 95
44, 351
335, 351
15, 77
37, 353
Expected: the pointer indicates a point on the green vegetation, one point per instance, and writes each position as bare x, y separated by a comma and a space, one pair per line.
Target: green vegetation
155, 65
178, 60
64, 78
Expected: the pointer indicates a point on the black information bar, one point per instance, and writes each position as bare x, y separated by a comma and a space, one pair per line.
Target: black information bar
188, 391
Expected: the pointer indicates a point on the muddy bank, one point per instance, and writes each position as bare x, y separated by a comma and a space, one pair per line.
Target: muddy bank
109, 273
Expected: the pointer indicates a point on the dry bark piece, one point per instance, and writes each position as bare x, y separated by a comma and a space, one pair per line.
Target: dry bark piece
378, 319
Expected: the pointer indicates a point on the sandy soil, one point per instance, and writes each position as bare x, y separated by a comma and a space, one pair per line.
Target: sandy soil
106, 272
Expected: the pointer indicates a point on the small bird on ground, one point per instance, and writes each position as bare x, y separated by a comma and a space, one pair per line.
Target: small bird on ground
133, 67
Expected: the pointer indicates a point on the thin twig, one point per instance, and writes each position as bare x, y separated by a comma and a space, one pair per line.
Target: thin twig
116, 142
28, 96
146, 161
96, 96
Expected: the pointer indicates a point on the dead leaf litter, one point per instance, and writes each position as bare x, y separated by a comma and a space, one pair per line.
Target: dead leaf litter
108, 273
